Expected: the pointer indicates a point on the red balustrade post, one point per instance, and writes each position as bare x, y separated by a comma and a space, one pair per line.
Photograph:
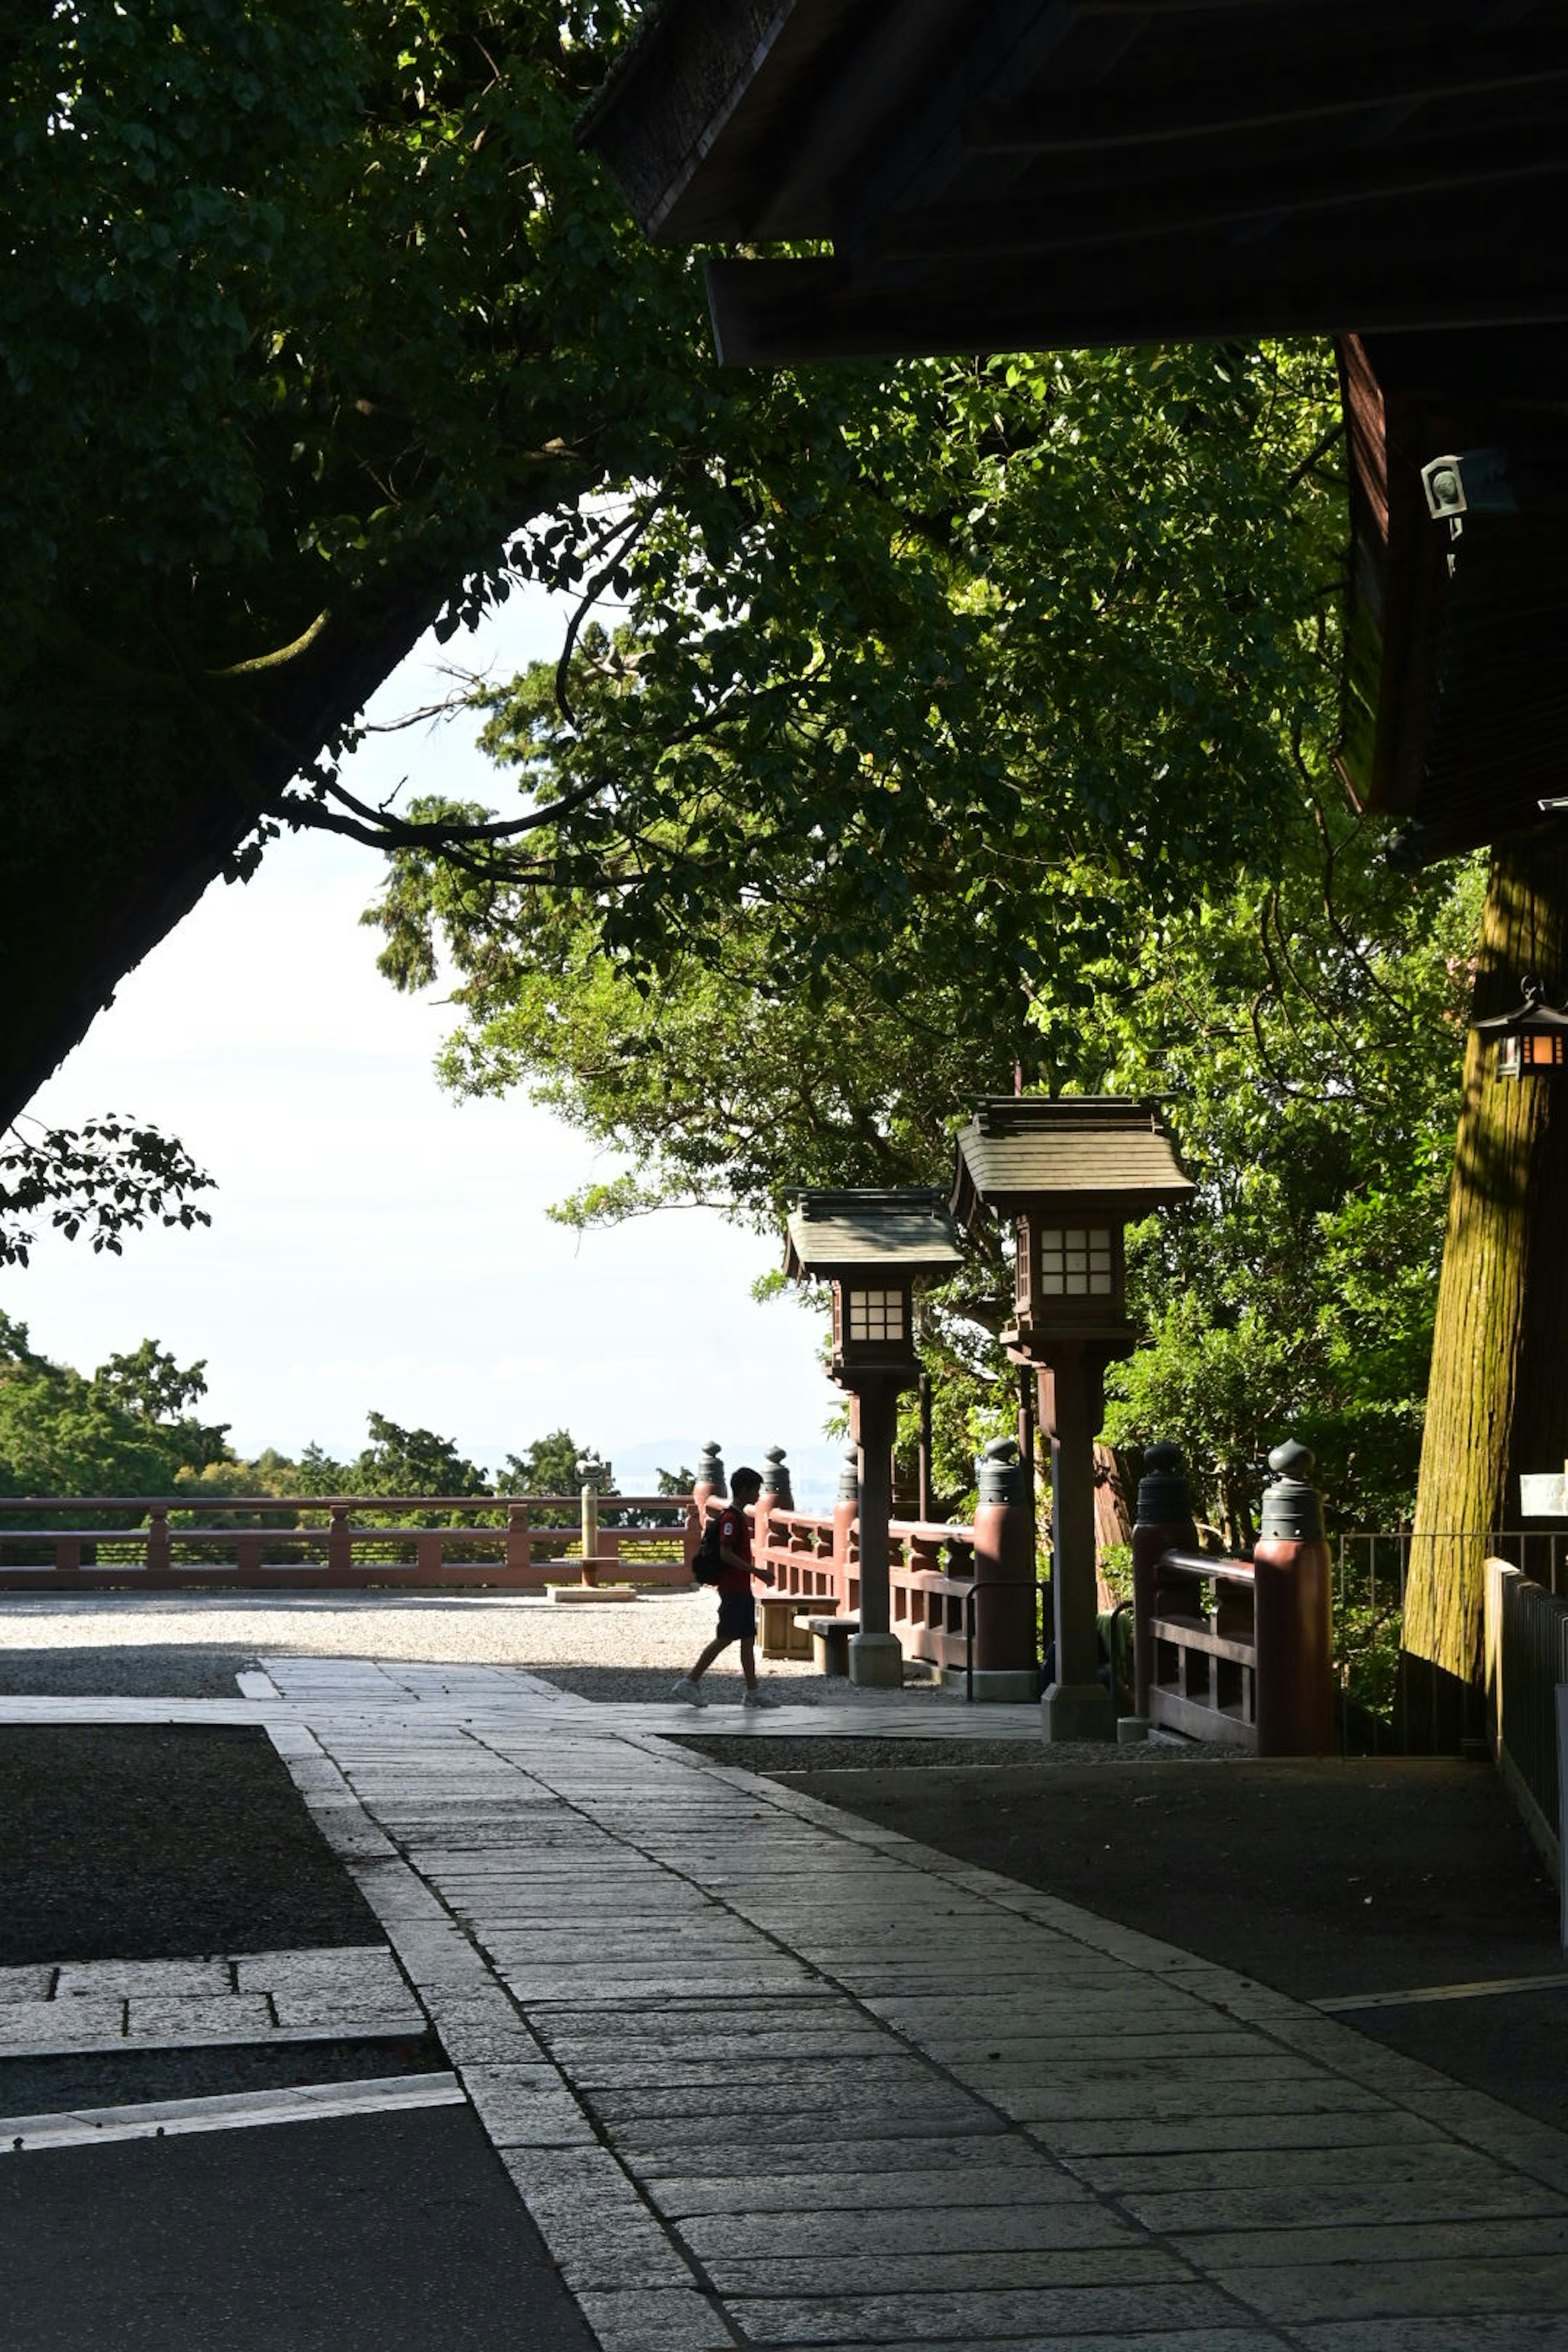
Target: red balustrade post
340, 1541
519, 1544
1165, 1523
1292, 1597
845, 1511
1007, 1657
159, 1551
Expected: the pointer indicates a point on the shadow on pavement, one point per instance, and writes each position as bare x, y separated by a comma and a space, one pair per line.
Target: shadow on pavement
1327, 1880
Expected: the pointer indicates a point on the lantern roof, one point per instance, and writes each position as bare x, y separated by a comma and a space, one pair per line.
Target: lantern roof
1023, 1151
903, 1230
1530, 1017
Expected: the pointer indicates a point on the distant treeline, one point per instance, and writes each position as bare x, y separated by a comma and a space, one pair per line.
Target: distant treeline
133, 1429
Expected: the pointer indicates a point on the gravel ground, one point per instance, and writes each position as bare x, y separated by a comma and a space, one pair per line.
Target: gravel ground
184, 1645
118, 1842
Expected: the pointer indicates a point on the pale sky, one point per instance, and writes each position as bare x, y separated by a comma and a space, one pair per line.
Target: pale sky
375, 1243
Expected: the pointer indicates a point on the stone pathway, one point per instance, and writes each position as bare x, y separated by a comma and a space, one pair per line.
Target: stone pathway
767, 2075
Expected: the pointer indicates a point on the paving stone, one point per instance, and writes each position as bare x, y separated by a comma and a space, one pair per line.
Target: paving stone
330, 1969
666, 2132
840, 2194
1102, 2148
1515, 2331
831, 2273
1435, 2164
859, 2075
597, 2052
350, 2012
1309, 2094
912, 2317
670, 2319
932, 2229
619, 2246
787, 2159
1295, 2296
1167, 2339
120, 1980
519, 2113
902, 2087
233, 2017
60, 2025
556, 2180
29, 1984
1456, 2240
469, 2045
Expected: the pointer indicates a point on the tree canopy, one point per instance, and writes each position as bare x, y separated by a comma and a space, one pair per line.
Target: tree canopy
127, 1431
1039, 785
308, 310
318, 328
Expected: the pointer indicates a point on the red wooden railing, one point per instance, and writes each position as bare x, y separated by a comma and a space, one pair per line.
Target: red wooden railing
345, 1543
818, 1560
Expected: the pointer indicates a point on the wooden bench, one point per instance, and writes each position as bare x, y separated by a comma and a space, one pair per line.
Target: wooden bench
783, 1634
830, 1638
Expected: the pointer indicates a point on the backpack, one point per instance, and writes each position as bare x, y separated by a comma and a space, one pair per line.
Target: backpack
706, 1565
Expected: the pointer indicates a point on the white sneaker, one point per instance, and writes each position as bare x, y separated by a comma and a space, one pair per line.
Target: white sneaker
755, 1698
690, 1692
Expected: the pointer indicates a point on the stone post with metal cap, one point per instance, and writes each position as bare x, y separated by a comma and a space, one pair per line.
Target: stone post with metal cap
1006, 1660
1165, 1523
1292, 1595
710, 1487
776, 1494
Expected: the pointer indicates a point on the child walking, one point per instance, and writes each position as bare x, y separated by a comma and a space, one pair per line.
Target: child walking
737, 1607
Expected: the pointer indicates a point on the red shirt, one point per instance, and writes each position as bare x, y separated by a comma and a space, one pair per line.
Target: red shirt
734, 1534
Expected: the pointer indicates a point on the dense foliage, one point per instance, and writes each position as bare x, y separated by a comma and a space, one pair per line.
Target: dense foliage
129, 1429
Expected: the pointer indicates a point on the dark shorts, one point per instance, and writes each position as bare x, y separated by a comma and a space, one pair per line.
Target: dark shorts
737, 1617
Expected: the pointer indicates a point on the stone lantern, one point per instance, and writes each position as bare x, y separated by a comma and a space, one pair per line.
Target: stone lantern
1531, 1040
1069, 1176
873, 1247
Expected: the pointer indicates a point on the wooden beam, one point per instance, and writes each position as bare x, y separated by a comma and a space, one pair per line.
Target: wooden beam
1080, 217
784, 313
1064, 122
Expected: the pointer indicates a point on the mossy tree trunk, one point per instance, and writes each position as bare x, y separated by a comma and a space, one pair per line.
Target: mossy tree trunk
1497, 1398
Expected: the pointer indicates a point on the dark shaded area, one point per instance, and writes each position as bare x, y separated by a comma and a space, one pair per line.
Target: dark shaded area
129, 2077
194, 1670
788, 1754
387, 2233
1324, 1879
161, 1842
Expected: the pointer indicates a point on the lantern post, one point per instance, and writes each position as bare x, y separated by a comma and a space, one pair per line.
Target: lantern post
873, 1246
1069, 1174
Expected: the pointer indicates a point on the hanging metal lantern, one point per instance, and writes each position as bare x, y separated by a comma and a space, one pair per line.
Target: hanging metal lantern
1531, 1041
